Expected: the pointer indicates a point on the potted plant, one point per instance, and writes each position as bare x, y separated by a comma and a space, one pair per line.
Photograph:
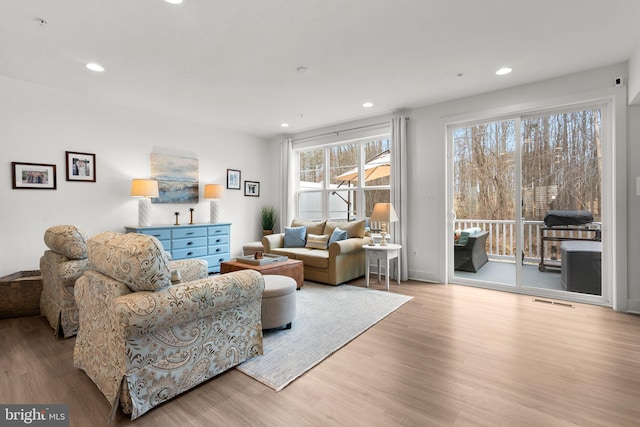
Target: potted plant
268, 217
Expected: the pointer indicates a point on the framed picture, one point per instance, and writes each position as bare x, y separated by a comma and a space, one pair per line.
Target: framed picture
81, 166
33, 176
252, 188
233, 179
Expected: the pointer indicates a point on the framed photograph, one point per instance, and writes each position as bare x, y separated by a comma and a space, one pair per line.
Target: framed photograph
81, 166
252, 188
233, 179
33, 176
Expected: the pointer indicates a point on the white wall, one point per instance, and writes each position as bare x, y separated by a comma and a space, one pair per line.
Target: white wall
39, 124
633, 208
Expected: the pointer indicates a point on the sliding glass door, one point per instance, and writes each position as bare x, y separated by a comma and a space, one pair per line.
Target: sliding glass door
562, 201
526, 203
484, 201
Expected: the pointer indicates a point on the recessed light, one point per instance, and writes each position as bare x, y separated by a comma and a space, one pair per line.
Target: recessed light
285, 125
367, 105
174, 1
95, 67
503, 71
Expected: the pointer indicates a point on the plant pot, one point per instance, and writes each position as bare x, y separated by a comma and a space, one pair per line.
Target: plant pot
267, 232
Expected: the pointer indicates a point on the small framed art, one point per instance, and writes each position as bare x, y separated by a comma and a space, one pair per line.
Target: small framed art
30, 176
252, 188
233, 179
81, 166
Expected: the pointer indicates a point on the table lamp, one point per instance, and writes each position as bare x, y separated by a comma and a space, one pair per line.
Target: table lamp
213, 192
145, 189
384, 214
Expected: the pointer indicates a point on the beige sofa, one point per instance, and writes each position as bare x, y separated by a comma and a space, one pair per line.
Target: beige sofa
340, 262
142, 340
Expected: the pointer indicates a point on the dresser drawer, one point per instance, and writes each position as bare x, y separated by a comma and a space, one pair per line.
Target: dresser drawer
219, 240
218, 249
183, 233
158, 234
217, 230
215, 260
189, 252
189, 243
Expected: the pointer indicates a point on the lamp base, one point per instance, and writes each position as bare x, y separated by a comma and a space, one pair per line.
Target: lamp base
383, 239
144, 212
214, 212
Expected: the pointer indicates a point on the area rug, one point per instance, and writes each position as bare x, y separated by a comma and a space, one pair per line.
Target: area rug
327, 318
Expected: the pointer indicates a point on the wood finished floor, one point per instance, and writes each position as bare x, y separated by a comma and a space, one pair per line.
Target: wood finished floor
452, 356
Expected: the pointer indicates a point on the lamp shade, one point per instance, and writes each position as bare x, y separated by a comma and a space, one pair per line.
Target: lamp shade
213, 191
383, 212
144, 188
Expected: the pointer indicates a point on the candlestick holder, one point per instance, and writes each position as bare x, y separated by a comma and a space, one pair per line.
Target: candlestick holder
177, 214
191, 213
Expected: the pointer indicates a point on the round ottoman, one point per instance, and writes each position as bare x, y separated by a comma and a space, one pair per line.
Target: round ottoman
278, 301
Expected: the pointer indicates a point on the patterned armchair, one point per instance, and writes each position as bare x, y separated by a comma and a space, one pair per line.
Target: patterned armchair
142, 340
64, 263
61, 265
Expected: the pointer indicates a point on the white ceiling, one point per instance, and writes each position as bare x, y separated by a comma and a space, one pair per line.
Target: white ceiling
232, 64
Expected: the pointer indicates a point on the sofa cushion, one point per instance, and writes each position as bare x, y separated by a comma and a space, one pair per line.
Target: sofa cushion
353, 228
317, 241
316, 258
337, 235
313, 227
67, 240
137, 260
295, 237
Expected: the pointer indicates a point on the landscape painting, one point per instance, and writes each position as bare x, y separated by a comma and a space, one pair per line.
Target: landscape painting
177, 178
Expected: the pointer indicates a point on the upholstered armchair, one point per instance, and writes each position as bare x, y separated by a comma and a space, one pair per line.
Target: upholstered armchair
143, 340
61, 265
64, 263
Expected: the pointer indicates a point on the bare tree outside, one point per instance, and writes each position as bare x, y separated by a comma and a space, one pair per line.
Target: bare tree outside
561, 170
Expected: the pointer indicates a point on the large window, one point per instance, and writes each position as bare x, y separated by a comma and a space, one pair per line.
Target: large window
342, 182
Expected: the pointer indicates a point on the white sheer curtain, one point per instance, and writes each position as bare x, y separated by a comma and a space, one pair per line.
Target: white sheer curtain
287, 187
399, 188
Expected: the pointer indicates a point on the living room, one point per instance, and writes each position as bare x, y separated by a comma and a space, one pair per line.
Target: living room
41, 122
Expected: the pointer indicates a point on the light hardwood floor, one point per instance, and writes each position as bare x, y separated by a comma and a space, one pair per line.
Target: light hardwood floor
452, 356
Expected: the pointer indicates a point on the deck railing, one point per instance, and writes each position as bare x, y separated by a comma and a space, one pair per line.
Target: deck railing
501, 243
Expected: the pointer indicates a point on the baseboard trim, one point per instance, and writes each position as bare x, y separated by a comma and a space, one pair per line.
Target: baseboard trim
423, 276
633, 306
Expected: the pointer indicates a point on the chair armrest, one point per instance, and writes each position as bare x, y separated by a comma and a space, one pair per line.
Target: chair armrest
189, 270
272, 241
347, 246
142, 312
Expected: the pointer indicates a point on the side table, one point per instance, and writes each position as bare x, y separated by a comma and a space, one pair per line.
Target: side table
382, 253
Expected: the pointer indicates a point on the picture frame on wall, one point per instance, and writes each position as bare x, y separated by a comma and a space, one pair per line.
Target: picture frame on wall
233, 179
33, 176
81, 166
252, 188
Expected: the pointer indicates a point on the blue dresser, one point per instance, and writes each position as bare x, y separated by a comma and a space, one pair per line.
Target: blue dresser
207, 241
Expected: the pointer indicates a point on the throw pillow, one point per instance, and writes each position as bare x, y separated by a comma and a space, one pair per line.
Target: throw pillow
313, 227
464, 238
337, 235
294, 237
317, 241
